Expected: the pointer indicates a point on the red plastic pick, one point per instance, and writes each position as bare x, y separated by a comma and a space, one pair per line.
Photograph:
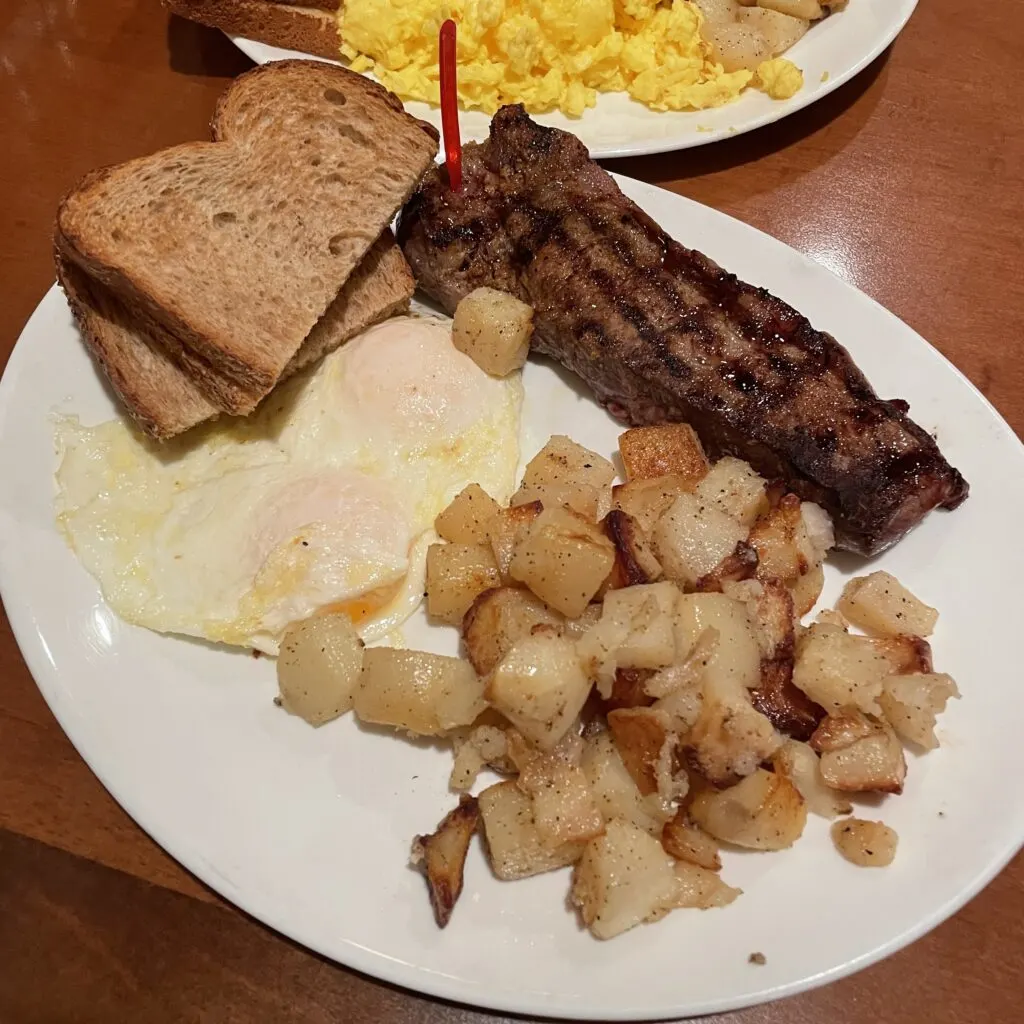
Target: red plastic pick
450, 105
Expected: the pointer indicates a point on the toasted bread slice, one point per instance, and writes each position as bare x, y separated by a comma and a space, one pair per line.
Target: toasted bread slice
237, 247
157, 393
308, 27
142, 360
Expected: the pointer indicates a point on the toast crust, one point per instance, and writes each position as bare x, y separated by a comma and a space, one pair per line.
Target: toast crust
308, 27
144, 363
158, 395
145, 242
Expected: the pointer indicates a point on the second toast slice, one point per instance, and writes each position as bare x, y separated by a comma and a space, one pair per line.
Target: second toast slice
238, 247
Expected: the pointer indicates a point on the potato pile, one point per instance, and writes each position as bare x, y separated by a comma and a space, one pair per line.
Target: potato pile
744, 33
636, 669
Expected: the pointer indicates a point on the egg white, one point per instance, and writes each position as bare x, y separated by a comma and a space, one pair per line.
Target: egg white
325, 497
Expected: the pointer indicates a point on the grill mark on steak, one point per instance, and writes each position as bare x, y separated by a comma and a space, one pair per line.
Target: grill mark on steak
662, 333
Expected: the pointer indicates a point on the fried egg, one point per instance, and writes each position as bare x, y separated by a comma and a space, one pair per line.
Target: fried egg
324, 498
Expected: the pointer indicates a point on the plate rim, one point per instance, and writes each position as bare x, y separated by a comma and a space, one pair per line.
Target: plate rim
408, 976
652, 147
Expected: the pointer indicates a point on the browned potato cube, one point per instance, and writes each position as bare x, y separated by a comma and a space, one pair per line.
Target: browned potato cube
493, 328
565, 473
467, 520
497, 619
615, 790
514, 845
836, 669
647, 500
881, 605
859, 753
563, 560
508, 527
734, 488
669, 448
623, 879
911, 704
693, 537
426, 694
641, 736
700, 888
685, 841
764, 811
456, 575
799, 763
540, 687
564, 809
634, 560
320, 667
780, 539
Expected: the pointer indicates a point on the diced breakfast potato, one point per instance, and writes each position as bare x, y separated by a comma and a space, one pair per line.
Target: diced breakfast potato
467, 520
868, 844
807, 589
320, 668
693, 537
647, 500
623, 879
540, 687
859, 753
636, 631
500, 617
442, 857
426, 694
564, 560
780, 539
799, 763
615, 790
493, 328
701, 888
770, 610
507, 529
730, 738
881, 605
818, 535
735, 489
764, 811
809, 9
456, 575
685, 841
565, 473
911, 704
634, 558
485, 745
514, 846
781, 31
668, 448
738, 47
736, 658
646, 743
904, 654
564, 809
836, 669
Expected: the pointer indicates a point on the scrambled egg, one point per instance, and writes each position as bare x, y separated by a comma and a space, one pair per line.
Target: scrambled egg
552, 54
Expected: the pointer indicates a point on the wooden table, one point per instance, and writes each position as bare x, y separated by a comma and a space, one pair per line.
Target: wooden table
907, 182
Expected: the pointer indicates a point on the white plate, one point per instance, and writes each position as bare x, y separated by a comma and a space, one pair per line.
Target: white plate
830, 54
309, 830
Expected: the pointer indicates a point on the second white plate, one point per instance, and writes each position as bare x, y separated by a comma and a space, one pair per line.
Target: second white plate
830, 54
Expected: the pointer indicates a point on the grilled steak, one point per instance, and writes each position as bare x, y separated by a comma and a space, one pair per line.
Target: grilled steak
662, 333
